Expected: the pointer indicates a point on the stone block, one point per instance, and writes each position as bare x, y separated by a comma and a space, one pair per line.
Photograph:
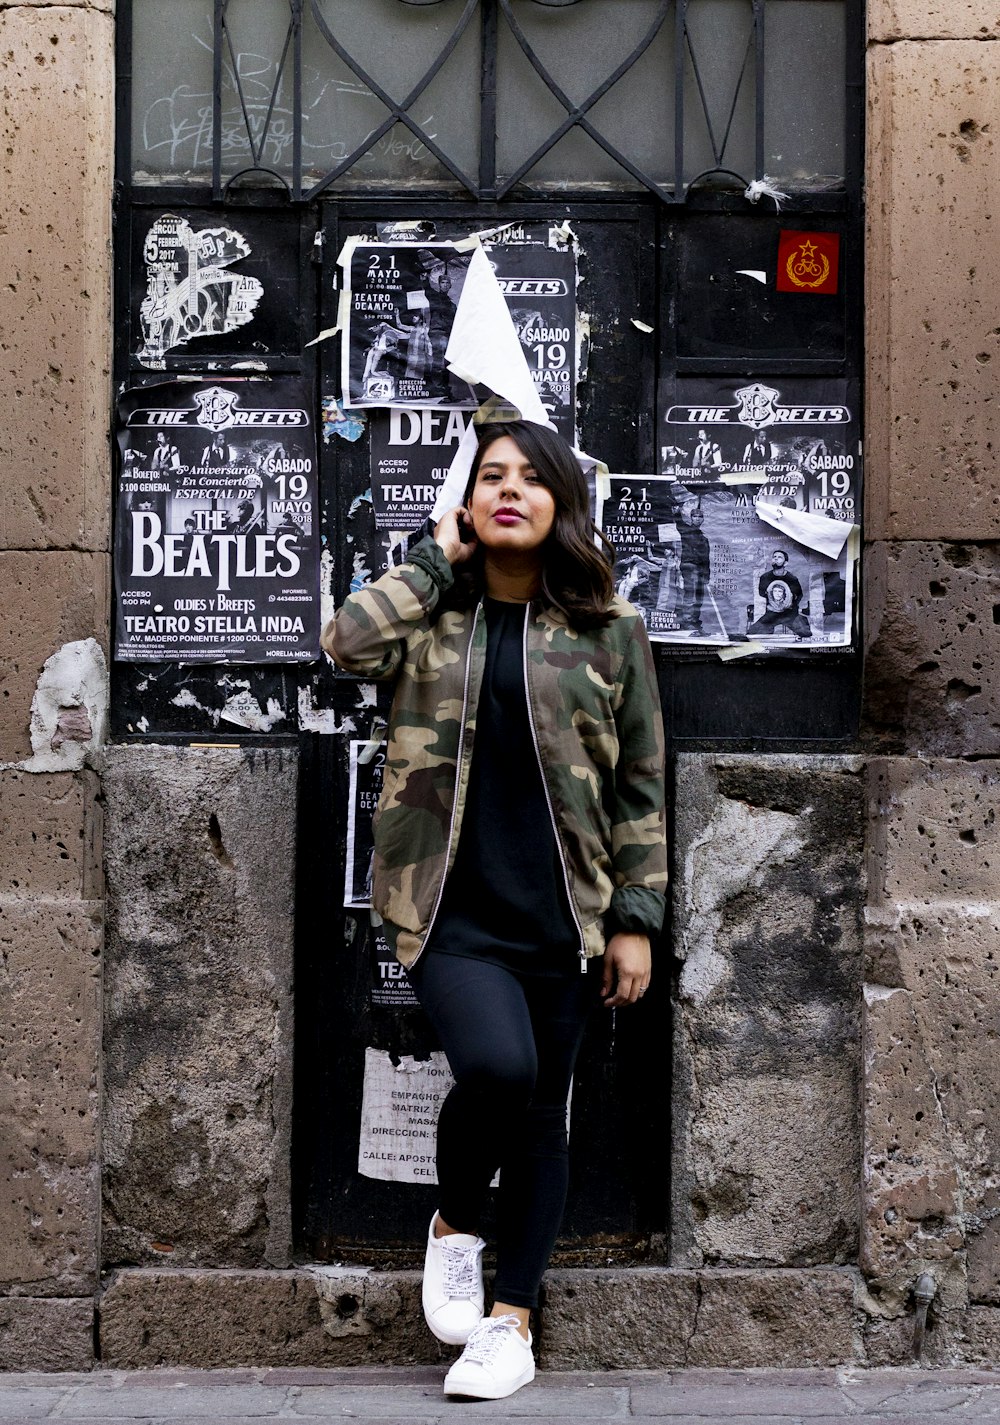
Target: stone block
662, 1318
262, 1318
912, 1205
983, 1250
933, 640
107, 7
934, 836
767, 1033
933, 19
933, 1108
933, 336
50, 835
50, 1041
978, 1336
932, 1082
55, 304
591, 1320
617, 1320
775, 1318
50, 598
46, 1334
200, 857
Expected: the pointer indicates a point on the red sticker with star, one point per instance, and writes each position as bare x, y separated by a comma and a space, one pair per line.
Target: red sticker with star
808, 262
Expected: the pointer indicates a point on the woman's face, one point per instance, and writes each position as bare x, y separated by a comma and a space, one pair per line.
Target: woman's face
511, 509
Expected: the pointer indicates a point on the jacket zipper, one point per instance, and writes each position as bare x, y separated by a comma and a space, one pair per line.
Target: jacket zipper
458, 773
548, 799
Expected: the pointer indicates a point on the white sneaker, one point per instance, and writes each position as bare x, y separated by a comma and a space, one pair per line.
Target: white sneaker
452, 1289
496, 1362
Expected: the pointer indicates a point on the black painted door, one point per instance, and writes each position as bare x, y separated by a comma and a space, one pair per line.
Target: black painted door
620, 1101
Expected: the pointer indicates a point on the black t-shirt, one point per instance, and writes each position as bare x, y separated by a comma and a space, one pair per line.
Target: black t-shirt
505, 898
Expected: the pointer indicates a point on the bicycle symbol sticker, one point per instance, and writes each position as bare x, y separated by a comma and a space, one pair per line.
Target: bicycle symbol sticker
808, 262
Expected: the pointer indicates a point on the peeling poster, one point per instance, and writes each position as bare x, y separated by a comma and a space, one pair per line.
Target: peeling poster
390, 987
401, 302
400, 1104
366, 766
703, 567
745, 536
216, 537
190, 291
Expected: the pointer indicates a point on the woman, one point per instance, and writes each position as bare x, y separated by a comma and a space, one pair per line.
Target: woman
519, 841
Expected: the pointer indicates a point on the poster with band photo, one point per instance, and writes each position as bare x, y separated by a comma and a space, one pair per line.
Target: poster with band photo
216, 535
703, 568
401, 301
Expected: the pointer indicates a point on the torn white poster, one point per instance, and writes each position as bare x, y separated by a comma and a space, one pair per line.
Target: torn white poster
400, 1104
484, 347
189, 292
819, 532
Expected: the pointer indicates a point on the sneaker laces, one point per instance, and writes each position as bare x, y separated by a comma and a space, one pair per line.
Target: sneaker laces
488, 1337
461, 1270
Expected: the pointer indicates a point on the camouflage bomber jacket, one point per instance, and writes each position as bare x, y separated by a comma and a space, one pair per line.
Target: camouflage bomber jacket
595, 712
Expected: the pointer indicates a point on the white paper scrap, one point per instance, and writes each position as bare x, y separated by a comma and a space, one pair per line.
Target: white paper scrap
643, 326
324, 335
454, 483
753, 272
740, 650
817, 532
477, 239
484, 349
399, 1111
484, 344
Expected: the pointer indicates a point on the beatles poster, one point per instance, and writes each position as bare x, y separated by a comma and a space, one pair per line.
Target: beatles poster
216, 540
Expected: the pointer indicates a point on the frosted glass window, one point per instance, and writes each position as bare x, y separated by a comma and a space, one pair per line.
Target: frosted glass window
804, 94
579, 45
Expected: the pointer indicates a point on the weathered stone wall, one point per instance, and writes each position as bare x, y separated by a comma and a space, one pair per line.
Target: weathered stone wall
199, 848
55, 319
933, 634
788, 1169
767, 1065
932, 996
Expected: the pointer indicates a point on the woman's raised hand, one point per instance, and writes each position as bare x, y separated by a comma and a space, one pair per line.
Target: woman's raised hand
447, 536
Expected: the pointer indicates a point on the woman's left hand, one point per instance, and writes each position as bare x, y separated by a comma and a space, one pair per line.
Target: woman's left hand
627, 963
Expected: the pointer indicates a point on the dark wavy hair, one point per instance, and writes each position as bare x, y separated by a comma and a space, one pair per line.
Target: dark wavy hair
576, 574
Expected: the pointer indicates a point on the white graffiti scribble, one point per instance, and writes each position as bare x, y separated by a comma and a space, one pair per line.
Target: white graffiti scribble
177, 127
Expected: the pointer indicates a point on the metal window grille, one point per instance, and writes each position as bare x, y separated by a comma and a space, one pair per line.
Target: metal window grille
260, 116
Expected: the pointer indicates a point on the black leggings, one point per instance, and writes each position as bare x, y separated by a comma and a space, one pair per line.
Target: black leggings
511, 1041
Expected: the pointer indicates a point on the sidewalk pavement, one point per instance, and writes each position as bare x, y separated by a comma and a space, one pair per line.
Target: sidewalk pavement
413, 1395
